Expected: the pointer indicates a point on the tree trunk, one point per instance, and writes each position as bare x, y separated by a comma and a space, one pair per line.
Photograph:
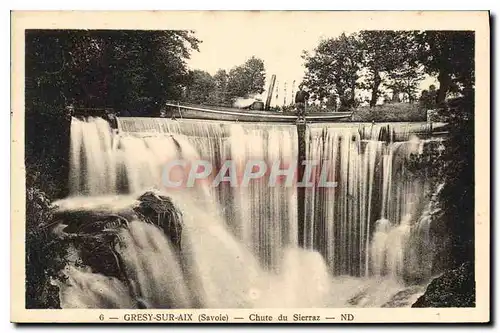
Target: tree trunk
444, 84
395, 95
411, 99
376, 83
353, 96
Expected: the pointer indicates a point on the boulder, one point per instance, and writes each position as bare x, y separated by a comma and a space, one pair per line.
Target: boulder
93, 237
76, 232
93, 234
454, 288
160, 210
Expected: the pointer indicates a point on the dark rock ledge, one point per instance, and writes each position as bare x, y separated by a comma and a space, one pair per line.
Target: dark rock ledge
94, 234
455, 288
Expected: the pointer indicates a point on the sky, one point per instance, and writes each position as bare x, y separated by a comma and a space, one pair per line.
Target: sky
279, 46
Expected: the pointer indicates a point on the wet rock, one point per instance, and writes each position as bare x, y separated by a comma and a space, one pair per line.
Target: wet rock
86, 222
98, 252
93, 238
455, 288
358, 298
403, 298
93, 234
159, 210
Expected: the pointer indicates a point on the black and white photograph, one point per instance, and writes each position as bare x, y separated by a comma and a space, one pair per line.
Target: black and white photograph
239, 164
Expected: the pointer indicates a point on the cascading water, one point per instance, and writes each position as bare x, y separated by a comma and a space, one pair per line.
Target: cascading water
362, 238
362, 226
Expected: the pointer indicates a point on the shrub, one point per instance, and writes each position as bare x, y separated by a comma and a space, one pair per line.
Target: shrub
44, 252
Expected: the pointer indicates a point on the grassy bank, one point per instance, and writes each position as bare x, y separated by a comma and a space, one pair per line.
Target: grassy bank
390, 112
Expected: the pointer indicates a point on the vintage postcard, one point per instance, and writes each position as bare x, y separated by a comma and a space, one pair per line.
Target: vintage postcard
250, 167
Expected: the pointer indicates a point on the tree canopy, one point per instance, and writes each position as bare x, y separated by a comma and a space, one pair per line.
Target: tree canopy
247, 79
333, 70
200, 87
395, 60
120, 69
450, 56
222, 88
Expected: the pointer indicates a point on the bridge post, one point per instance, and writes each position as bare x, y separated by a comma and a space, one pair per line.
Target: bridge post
301, 157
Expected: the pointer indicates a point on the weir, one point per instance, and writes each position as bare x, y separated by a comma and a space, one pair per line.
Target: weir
372, 225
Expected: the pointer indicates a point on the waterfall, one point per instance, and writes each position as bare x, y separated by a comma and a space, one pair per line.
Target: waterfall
376, 200
92, 161
240, 244
145, 145
215, 271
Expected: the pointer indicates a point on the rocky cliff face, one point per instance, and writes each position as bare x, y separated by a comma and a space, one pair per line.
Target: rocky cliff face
455, 288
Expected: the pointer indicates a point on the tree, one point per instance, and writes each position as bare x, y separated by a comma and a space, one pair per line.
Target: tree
221, 87
384, 52
428, 98
333, 70
450, 56
338, 64
405, 80
119, 69
146, 68
247, 79
256, 73
200, 88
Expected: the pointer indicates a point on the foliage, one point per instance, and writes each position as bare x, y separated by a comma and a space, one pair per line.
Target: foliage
394, 60
450, 56
332, 71
386, 52
405, 72
47, 134
453, 165
247, 79
120, 69
366, 60
44, 253
405, 80
428, 98
200, 87
221, 88
313, 108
